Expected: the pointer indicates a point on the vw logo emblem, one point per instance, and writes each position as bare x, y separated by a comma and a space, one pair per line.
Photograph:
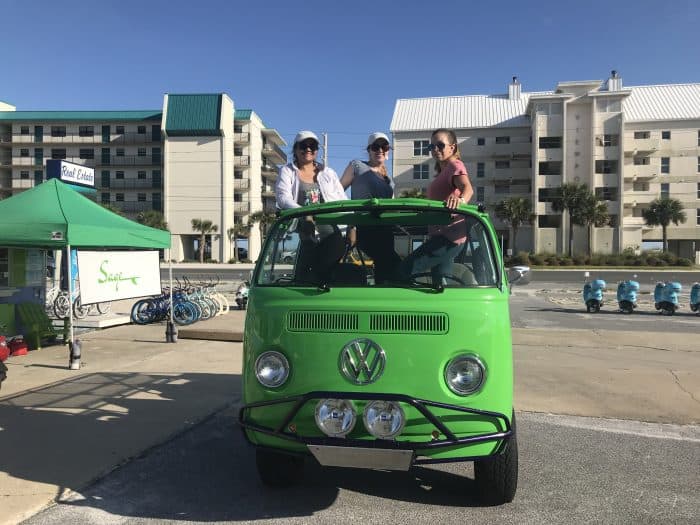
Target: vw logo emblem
362, 361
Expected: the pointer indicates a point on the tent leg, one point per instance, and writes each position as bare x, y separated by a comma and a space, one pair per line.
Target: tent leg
73, 344
171, 329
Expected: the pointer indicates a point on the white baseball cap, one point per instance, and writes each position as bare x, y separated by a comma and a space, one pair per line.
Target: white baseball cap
303, 135
374, 137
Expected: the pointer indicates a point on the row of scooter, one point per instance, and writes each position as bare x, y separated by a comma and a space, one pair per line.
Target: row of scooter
665, 296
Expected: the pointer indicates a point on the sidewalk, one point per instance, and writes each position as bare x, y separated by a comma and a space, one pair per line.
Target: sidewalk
61, 429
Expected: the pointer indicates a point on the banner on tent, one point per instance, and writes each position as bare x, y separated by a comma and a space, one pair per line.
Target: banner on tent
110, 276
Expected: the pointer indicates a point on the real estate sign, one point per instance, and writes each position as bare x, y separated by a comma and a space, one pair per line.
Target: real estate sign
110, 276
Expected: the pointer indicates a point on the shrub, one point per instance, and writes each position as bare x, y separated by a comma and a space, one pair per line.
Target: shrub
520, 258
552, 260
682, 261
537, 259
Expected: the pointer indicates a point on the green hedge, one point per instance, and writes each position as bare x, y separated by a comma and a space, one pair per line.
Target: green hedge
626, 258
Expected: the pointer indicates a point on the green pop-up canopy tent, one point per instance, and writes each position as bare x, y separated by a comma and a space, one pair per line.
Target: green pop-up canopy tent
52, 215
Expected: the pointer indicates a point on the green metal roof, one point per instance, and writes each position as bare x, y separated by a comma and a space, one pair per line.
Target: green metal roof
63, 116
242, 114
193, 115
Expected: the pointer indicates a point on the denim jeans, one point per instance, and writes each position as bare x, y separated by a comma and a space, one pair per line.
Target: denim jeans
436, 255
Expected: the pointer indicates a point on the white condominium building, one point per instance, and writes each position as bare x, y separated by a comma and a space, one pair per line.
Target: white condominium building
630, 145
196, 158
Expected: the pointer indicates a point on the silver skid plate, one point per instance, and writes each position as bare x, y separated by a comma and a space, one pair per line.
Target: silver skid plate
374, 458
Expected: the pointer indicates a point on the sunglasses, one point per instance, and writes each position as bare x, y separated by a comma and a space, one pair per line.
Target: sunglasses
377, 147
309, 144
438, 145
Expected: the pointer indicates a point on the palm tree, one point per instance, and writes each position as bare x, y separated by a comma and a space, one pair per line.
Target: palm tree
570, 198
264, 219
662, 212
152, 218
516, 211
238, 230
593, 212
204, 227
413, 193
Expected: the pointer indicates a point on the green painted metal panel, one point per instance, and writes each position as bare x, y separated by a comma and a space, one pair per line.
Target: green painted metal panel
242, 114
193, 115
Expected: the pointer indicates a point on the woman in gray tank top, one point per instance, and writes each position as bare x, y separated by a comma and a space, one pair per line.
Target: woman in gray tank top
369, 179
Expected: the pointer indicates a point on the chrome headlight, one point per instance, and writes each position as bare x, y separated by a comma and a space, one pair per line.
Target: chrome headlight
465, 374
271, 369
335, 417
384, 419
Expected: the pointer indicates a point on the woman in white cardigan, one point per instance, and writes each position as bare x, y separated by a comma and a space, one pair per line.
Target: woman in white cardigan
302, 182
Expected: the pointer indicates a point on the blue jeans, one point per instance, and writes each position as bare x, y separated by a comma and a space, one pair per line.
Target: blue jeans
436, 255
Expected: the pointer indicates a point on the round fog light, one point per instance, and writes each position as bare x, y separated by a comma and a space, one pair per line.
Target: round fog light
271, 369
384, 419
335, 417
465, 374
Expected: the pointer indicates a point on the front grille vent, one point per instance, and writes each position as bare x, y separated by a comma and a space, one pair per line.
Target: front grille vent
317, 321
408, 323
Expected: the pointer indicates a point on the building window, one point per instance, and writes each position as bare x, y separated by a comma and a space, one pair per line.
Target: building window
606, 166
665, 189
238, 152
105, 198
547, 194
610, 140
58, 131
502, 164
698, 190
550, 142
120, 152
238, 128
502, 140
141, 130
105, 178
549, 221
697, 218
119, 197
502, 187
141, 197
24, 130
480, 141
608, 106
698, 164
421, 171
142, 152
119, 175
141, 175
155, 178
699, 137
58, 153
86, 131
420, 148
480, 169
38, 177
23, 174
606, 193
24, 152
550, 168
237, 174
666, 135
119, 130
665, 164
642, 135
641, 161
237, 197
640, 186
480, 194
87, 153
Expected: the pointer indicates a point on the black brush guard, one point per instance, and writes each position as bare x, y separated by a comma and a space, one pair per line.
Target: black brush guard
419, 404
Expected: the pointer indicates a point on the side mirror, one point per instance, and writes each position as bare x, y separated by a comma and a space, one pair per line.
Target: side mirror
519, 275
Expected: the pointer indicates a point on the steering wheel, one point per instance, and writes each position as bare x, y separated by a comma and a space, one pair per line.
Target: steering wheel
445, 276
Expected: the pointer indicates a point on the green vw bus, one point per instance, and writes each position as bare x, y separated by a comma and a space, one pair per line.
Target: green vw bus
412, 370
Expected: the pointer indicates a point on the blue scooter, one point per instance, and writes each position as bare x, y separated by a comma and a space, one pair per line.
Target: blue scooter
666, 297
695, 298
593, 295
627, 296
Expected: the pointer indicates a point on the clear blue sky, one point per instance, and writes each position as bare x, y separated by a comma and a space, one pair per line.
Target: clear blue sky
330, 66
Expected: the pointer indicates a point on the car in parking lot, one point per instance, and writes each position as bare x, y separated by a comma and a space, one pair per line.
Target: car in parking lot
389, 375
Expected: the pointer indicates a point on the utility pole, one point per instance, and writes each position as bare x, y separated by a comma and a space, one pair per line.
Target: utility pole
325, 149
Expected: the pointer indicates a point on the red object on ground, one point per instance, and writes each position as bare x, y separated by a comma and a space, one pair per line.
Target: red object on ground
18, 347
4, 349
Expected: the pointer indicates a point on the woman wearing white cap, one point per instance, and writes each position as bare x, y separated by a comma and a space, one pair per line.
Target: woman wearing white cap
302, 182
369, 179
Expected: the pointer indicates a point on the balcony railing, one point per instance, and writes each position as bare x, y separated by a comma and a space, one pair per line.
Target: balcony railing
22, 161
271, 150
640, 171
241, 138
5, 139
241, 160
241, 184
640, 146
96, 139
132, 184
241, 207
134, 207
129, 160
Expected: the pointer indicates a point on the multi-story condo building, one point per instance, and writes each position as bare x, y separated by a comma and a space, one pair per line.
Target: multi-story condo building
630, 145
196, 158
